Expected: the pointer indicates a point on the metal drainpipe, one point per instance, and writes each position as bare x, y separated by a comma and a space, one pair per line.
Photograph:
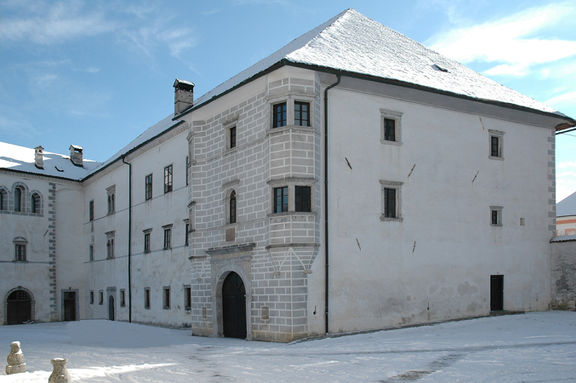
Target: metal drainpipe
326, 252
129, 239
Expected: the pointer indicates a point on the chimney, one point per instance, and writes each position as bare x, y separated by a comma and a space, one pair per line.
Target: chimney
76, 155
39, 157
183, 96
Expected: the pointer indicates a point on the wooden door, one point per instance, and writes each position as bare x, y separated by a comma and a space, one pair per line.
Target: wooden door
496, 292
234, 307
19, 307
69, 305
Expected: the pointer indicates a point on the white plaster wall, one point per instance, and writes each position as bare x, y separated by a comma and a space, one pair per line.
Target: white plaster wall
566, 225
435, 263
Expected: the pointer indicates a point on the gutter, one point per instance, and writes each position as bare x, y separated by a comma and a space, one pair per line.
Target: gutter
129, 238
326, 247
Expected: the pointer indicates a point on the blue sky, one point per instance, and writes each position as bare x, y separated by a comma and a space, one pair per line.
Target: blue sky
97, 74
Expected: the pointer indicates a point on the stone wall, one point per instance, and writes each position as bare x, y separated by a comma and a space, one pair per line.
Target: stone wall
563, 264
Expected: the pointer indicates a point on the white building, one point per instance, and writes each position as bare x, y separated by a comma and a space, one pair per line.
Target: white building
352, 180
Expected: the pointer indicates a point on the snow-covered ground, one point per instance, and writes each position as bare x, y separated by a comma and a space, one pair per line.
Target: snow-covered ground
535, 347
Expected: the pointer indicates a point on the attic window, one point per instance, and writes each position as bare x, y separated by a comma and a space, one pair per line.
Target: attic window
438, 67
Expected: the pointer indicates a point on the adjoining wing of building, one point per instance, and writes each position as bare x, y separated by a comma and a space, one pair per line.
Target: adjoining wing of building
352, 180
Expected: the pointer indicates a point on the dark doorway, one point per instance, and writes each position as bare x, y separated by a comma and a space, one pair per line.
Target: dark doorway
19, 307
110, 307
234, 307
496, 292
69, 299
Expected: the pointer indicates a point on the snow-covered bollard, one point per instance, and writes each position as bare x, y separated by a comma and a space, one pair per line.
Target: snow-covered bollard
59, 373
15, 359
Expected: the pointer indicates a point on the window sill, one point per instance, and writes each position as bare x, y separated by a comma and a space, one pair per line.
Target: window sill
290, 213
496, 158
390, 219
286, 128
388, 142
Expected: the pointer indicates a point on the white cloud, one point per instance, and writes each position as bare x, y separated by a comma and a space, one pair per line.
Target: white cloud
508, 41
567, 98
54, 23
566, 165
146, 39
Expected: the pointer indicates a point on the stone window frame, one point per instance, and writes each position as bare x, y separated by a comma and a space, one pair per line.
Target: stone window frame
496, 216
3, 198
167, 242
291, 183
499, 136
147, 242
397, 186
166, 297
110, 239
36, 203
23, 190
20, 249
229, 188
187, 298
386, 114
111, 199
302, 102
290, 100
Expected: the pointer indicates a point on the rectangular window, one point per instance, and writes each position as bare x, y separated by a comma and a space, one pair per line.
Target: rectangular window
148, 187
167, 237
101, 298
166, 298
20, 252
186, 235
390, 200
389, 129
390, 122
279, 115
168, 179
303, 198
187, 298
110, 245
496, 215
147, 240
496, 140
301, 113
91, 210
232, 137
122, 298
281, 199
91, 297
111, 199
91, 253
147, 298
187, 170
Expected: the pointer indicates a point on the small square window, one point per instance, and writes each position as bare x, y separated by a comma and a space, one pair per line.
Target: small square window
302, 198
301, 113
280, 199
390, 126
279, 115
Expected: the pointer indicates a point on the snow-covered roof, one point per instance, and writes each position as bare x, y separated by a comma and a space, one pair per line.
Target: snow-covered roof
20, 158
567, 206
353, 43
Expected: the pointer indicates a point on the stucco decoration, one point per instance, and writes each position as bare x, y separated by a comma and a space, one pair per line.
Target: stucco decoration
15, 359
59, 373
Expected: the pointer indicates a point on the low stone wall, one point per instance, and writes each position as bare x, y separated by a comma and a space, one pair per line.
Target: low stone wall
563, 265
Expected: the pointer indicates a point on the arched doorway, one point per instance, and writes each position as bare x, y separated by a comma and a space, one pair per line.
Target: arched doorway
110, 307
19, 307
234, 307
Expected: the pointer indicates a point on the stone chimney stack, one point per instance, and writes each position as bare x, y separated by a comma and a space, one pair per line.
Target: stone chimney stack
76, 155
183, 96
39, 157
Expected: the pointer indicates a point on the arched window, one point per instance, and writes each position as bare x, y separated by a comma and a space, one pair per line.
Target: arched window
232, 207
3, 200
36, 203
19, 198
